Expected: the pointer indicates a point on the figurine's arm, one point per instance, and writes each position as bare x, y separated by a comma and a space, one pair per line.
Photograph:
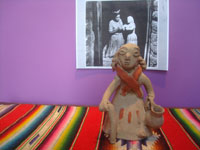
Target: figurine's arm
148, 87
105, 103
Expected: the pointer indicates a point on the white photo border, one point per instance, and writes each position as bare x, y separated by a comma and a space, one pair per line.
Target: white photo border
163, 34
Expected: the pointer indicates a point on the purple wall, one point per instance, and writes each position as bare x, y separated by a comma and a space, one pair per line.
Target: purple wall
37, 56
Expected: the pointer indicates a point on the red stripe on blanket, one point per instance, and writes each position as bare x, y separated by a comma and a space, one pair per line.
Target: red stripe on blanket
15, 125
175, 134
14, 115
88, 136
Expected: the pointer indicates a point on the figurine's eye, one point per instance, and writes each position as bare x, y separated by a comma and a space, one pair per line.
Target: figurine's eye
122, 52
136, 54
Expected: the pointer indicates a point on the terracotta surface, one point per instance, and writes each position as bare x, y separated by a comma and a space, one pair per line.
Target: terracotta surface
128, 116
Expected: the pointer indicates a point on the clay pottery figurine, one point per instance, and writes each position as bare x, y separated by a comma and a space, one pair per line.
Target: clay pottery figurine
126, 116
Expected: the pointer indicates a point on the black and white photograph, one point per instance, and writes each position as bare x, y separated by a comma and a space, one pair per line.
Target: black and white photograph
102, 27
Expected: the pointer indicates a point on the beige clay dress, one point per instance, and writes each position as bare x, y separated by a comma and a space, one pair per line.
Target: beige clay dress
130, 116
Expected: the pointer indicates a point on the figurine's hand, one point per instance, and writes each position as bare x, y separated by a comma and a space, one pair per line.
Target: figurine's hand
152, 103
105, 105
149, 103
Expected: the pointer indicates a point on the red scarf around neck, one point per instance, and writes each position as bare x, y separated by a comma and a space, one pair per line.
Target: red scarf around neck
131, 81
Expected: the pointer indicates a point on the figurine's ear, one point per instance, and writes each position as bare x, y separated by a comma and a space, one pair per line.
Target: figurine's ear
115, 62
137, 53
142, 62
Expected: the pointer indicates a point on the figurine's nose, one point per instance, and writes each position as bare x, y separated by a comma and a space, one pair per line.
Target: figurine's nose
128, 55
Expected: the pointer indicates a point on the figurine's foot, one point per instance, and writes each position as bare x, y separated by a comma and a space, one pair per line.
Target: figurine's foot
142, 134
112, 140
106, 135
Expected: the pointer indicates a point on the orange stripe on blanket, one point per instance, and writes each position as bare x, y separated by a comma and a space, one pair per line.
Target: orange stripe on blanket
14, 115
88, 136
175, 134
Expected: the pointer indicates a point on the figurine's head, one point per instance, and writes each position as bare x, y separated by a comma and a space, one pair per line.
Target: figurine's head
128, 57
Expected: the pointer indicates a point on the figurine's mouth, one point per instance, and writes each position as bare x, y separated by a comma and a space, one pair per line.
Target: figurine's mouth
126, 63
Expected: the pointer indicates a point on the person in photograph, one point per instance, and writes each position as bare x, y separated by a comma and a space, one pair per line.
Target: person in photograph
116, 36
130, 31
90, 38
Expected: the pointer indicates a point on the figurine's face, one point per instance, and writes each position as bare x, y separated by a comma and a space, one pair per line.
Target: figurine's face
128, 58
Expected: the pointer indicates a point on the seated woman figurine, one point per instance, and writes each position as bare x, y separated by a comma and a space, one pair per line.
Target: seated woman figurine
126, 114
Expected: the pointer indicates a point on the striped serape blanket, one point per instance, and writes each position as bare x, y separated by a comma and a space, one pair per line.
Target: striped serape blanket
46, 127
